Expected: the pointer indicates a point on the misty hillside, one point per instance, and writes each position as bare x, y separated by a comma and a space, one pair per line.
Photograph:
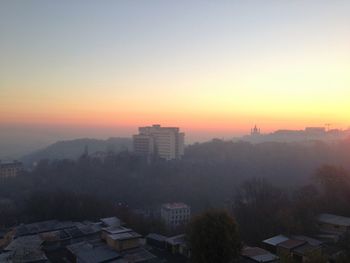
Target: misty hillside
72, 149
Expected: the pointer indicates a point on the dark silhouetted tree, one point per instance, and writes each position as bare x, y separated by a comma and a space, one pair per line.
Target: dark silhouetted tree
213, 237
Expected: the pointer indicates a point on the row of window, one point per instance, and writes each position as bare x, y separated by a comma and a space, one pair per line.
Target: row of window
181, 211
178, 222
181, 216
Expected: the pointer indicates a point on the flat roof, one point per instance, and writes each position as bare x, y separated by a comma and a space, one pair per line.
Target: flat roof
24, 249
116, 229
310, 240
258, 254
10, 164
334, 219
125, 235
274, 241
56, 235
138, 255
176, 240
156, 237
305, 249
93, 252
175, 205
43, 226
74, 232
111, 221
32, 241
292, 243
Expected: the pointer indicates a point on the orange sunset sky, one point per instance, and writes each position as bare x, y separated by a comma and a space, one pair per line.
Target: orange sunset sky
214, 68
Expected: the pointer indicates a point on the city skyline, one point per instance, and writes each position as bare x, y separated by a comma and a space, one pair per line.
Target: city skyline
210, 68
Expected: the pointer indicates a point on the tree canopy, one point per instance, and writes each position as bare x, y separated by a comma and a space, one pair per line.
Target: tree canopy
213, 237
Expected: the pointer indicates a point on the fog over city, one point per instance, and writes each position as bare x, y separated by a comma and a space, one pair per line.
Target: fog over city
180, 131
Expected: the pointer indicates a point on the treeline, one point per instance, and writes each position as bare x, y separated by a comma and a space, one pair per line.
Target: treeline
60, 205
263, 210
213, 174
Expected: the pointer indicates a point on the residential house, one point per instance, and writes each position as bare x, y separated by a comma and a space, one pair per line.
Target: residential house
256, 254
93, 252
334, 224
271, 243
156, 240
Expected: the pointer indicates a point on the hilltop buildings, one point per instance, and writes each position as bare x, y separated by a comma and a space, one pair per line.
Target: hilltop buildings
306, 135
255, 131
163, 142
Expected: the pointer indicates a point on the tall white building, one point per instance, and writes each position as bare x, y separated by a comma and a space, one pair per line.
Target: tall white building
175, 214
10, 169
164, 142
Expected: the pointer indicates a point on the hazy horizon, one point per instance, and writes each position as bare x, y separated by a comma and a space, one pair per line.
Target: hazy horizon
101, 69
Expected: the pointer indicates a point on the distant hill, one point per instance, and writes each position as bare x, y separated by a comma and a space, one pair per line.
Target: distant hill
72, 149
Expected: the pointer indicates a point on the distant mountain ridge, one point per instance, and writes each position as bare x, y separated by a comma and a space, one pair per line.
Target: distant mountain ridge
73, 149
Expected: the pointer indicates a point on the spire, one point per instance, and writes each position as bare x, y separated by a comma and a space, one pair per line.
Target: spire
255, 130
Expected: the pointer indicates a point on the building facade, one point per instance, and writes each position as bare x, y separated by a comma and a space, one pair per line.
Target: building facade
175, 214
163, 142
10, 169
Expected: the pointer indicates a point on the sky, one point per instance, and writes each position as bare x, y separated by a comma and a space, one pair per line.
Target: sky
214, 68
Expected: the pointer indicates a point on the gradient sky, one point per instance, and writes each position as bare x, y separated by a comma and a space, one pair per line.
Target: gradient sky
210, 67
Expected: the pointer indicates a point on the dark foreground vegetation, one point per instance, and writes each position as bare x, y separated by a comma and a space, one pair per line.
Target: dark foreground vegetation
270, 188
213, 237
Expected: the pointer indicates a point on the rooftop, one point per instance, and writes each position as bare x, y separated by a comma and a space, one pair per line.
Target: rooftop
125, 235
116, 229
175, 205
274, 241
23, 255
110, 221
93, 252
10, 164
33, 241
334, 219
311, 241
24, 249
156, 237
291, 243
305, 249
55, 236
176, 240
138, 255
258, 254
44, 226
74, 232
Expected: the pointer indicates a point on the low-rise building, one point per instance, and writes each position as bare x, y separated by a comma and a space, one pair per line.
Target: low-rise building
111, 222
330, 223
177, 245
42, 227
139, 255
271, 243
256, 254
175, 214
24, 249
288, 246
156, 240
298, 247
124, 240
302, 253
75, 242
92, 252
